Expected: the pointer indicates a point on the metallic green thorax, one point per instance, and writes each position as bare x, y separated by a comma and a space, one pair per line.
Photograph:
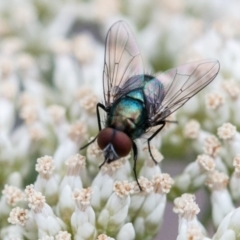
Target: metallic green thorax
128, 114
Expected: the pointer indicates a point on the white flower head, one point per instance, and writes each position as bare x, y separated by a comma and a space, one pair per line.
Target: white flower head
63, 235
123, 189
29, 114
104, 237
236, 163
94, 152
8, 90
77, 131
82, 197
89, 102
211, 145
57, 113
46, 221
186, 207
45, 165
26, 99
146, 185
162, 183
192, 129
74, 164
111, 168
18, 216
83, 48
13, 195
158, 157
206, 162
227, 131
232, 88
214, 100
217, 180
37, 132
36, 200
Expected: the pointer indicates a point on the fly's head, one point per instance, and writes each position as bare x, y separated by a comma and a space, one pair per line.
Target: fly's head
115, 144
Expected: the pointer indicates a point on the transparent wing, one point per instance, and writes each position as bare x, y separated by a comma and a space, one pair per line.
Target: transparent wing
122, 60
180, 84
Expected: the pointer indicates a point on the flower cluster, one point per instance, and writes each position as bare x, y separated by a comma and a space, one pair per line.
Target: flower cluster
51, 58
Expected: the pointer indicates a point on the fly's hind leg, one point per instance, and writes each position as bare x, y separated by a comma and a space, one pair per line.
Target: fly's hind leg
162, 123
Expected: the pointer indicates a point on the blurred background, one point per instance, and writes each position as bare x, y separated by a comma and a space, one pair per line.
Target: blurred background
52, 52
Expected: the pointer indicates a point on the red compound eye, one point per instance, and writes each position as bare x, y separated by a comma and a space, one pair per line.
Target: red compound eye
105, 137
120, 141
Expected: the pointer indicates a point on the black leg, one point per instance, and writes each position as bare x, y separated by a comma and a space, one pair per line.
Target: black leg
169, 121
99, 123
102, 163
149, 139
135, 153
88, 143
98, 114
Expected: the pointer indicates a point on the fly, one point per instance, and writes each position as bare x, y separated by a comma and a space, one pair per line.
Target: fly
135, 102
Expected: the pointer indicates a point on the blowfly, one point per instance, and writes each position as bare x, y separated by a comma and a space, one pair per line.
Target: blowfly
135, 102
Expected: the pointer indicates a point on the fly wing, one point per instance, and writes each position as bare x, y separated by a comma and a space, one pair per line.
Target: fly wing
122, 60
182, 83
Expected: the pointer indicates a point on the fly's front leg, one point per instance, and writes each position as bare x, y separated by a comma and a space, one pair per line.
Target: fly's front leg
149, 139
135, 153
100, 105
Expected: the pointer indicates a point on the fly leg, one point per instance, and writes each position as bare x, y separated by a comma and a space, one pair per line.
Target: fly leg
135, 153
102, 163
88, 144
169, 121
149, 139
99, 123
100, 105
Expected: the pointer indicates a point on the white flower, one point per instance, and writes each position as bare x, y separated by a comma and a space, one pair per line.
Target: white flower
47, 182
229, 227
150, 168
13, 195
214, 101
211, 145
220, 198
150, 204
114, 214
83, 218
126, 232
195, 174
192, 129
63, 235
70, 182
47, 222
226, 131
51, 70
189, 226
234, 180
